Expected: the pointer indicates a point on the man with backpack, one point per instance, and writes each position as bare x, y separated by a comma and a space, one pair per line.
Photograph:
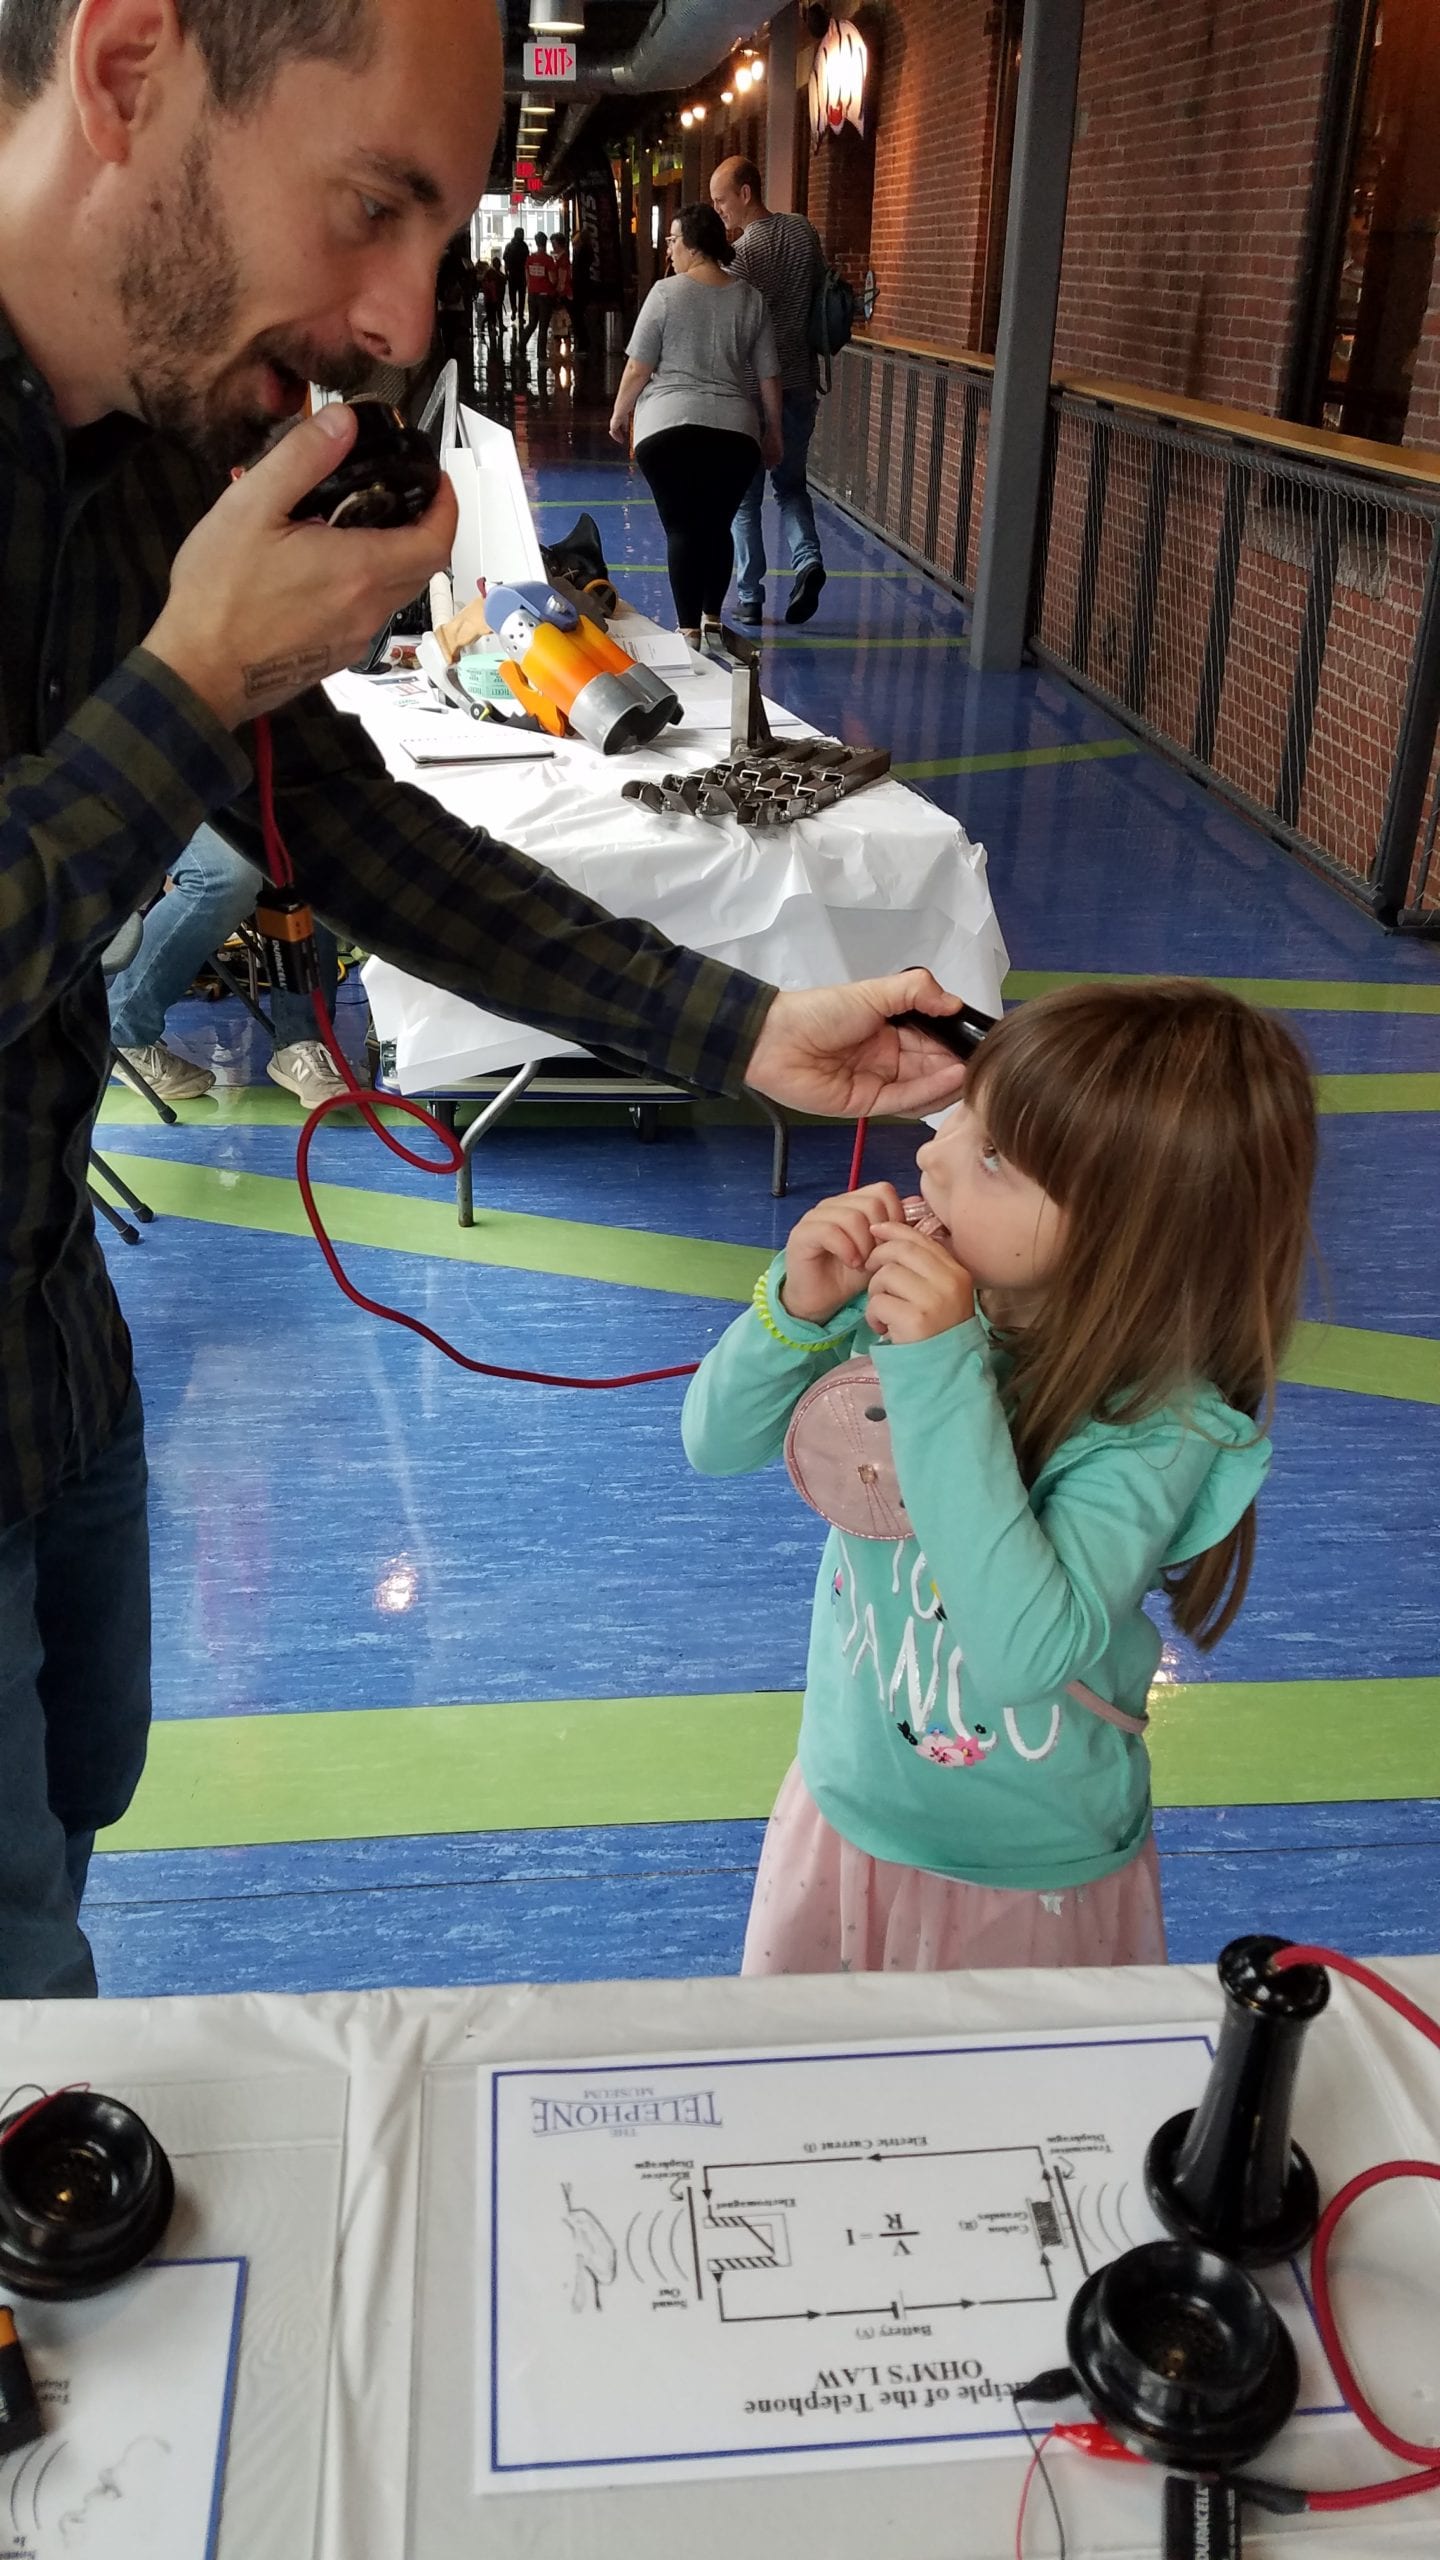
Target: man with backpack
781, 253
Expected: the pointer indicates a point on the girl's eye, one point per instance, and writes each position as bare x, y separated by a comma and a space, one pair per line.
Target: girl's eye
376, 212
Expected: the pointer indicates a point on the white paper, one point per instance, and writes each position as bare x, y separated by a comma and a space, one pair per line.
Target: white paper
792, 2260
706, 706
135, 2387
664, 650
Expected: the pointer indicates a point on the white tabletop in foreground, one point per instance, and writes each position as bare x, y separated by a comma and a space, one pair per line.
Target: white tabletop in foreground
331, 2140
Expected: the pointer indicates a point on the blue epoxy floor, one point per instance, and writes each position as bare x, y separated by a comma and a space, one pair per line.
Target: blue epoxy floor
560, 1545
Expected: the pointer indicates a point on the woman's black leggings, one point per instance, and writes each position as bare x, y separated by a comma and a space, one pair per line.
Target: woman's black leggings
698, 476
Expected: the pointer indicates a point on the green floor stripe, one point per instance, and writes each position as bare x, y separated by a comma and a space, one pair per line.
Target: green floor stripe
1335, 1094
624, 1257
1281, 995
937, 768
376, 1773
228, 1106
864, 641
370, 1773
1295, 1741
1401, 1365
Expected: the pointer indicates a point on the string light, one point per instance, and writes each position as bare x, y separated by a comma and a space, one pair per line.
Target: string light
743, 78
686, 118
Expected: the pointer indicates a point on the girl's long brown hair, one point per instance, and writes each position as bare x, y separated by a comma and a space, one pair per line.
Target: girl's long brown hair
1175, 1126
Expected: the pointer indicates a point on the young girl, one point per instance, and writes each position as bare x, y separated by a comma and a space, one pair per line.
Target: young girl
1040, 1402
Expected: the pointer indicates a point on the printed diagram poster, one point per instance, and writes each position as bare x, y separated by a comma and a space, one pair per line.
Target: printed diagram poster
135, 2388
806, 2258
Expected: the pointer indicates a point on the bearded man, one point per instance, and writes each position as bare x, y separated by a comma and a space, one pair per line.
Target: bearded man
206, 206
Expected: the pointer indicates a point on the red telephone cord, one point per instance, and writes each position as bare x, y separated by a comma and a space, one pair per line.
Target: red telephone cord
1427, 2455
282, 872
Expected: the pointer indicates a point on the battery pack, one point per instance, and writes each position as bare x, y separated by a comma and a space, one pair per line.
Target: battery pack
1202, 2520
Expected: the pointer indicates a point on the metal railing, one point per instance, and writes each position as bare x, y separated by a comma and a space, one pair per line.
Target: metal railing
1270, 618
900, 442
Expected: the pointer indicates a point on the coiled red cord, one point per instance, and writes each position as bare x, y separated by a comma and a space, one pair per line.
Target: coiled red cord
282, 872
1426, 2455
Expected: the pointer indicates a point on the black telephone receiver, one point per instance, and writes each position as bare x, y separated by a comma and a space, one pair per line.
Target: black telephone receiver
389, 477
961, 1032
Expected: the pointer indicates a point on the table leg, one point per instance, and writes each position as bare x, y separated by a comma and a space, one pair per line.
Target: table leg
494, 1111
780, 1155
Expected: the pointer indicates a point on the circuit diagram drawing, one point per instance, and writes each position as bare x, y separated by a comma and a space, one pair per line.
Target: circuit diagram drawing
698, 2262
887, 2234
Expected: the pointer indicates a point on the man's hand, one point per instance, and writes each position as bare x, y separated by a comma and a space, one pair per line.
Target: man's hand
916, 1287
834, 1050
829, 1248
261, 609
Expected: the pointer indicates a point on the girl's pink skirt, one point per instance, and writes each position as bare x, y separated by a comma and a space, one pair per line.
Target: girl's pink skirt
822, 1906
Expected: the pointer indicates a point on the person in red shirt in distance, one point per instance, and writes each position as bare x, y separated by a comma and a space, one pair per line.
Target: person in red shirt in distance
540, 285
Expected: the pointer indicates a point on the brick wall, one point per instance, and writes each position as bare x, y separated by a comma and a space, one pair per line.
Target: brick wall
1194, 143
1422, 424
1196, 136
931, 100
1195, 140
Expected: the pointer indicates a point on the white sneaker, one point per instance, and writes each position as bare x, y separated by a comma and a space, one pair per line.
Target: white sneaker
173, 1078
307, 1070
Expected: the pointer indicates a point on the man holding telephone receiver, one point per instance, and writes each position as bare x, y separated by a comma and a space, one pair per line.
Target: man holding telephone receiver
206, 205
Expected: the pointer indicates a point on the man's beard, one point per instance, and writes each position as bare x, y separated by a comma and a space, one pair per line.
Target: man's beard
180, 288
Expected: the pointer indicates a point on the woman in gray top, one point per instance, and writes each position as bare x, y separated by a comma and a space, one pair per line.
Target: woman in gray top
702, 373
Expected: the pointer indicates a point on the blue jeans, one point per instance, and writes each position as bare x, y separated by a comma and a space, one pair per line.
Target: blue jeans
74, 1706
215, 889
797, 515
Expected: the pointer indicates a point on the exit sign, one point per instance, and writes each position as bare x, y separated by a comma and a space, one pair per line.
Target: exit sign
550, 62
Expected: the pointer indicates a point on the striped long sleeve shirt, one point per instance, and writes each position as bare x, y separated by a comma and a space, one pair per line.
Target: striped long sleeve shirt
108, 764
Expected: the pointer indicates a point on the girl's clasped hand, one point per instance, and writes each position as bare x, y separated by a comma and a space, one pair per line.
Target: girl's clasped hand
862, 1241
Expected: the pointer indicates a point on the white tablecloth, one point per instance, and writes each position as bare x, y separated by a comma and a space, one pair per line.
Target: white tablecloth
331, 2140
876, 883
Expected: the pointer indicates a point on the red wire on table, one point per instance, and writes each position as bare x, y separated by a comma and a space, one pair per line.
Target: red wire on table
1031, 2468
72, 2088
857, 1160
1426, 2455
282, 872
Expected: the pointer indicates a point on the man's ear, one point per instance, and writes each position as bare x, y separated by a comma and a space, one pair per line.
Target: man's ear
120, 54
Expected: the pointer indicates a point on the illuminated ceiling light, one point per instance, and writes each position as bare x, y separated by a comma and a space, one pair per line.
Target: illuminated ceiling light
699, 114
743, 78
757, 72
727, 97
557, 17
